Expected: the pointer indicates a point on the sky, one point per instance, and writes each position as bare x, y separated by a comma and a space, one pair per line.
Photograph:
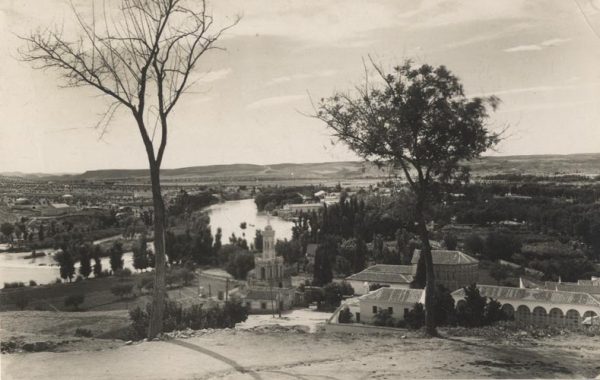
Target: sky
541, 57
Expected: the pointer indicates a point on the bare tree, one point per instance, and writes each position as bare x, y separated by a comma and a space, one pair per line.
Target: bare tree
141, 58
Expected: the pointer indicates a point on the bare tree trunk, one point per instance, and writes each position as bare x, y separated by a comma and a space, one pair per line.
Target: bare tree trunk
430, 324
158, 299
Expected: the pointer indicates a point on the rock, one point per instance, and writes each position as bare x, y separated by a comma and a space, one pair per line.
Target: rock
128, 343
403, 337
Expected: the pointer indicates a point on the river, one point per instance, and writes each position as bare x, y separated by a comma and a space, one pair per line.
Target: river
228, 216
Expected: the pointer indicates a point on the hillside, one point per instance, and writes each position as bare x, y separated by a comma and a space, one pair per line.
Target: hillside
539, 164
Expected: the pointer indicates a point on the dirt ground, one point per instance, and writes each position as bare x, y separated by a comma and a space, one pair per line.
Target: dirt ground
256, 351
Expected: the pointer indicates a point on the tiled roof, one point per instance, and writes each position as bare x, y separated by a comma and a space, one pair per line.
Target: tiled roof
572, 287
260, 294
396, 296
535, 295
445, 257
528, 284
381, 273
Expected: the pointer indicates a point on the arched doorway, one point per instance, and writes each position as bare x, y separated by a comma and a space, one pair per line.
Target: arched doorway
573, 318
523, 315
556, 317
539, 316
508, 310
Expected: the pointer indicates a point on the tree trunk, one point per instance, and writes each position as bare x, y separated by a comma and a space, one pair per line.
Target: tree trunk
430, 324
158, 298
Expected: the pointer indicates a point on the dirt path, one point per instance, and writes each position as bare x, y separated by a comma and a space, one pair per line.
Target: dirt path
252, 355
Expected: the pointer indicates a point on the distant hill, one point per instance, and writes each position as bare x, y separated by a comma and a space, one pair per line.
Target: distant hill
587, 164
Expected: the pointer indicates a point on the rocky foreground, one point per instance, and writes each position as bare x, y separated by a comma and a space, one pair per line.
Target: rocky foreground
278, 352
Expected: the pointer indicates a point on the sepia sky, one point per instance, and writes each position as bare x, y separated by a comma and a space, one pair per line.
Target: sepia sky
541, 57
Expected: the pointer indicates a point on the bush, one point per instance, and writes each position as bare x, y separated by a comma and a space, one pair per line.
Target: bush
345, 316
86, 333
122, 274
334, 292
74, 300
122, 290
384, 318
32, 283
10, 285
195, 317
471, 311
444, 306
493, 312
415, 318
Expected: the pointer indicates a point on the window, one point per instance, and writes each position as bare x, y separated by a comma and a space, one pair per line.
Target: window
391, 310
405, 310
357, 317
263, 305
374, 309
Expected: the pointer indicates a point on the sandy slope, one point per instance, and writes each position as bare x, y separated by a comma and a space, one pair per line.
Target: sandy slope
248, 354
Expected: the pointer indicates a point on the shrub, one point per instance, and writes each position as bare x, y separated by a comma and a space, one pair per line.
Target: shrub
87, 333
493, 312
32, 283
471, 311
9, 285
334, 292
384, 318
74, 300
345, 316
122, 290
78, 279
444, 306
415, 318
122, 274
196, 317
58, 281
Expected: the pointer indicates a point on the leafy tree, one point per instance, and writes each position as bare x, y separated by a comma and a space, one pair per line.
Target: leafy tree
239, 264
7, 230
325, 254
501, 246
290, 250
415, 318
420, 121
217, 244
334, 292
41, 234
142, 60
140, 253
97, 253
444, 306
474, 244
471, 312
258, 241
499, 272
66, 263
493, 312
85, 264
116, 256
450, 242
345, 316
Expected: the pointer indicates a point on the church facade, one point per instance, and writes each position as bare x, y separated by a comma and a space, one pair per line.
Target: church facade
269, 289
